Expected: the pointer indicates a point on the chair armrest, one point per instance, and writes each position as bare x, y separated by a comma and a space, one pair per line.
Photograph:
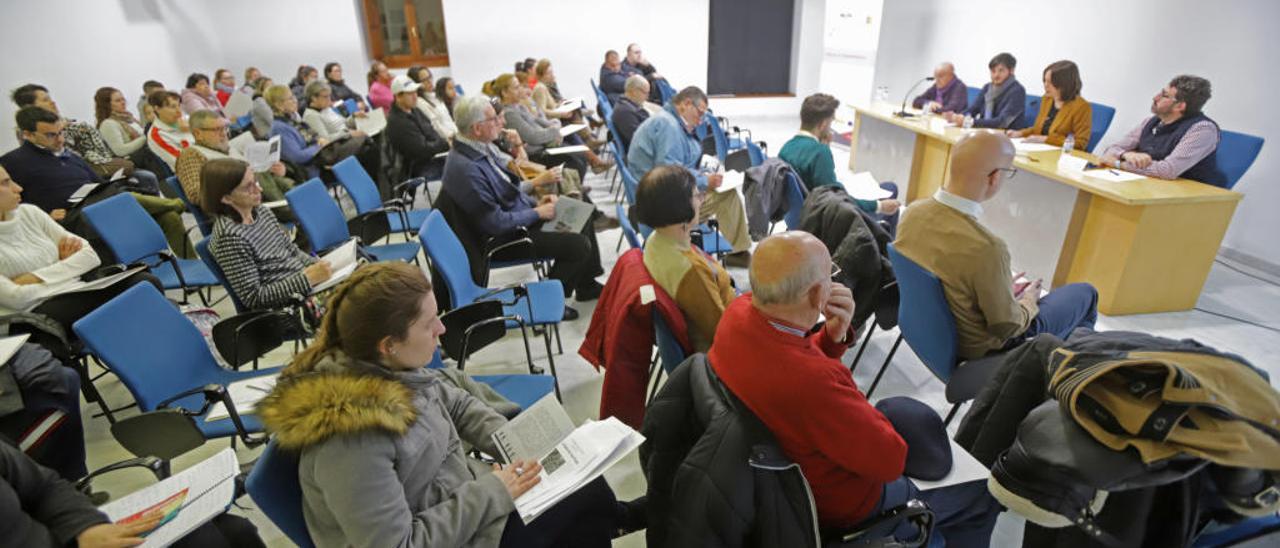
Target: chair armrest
216, 393
158, 467
409, 185
263, 327
517, 291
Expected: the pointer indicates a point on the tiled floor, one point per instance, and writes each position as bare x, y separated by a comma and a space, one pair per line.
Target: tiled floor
1249, 296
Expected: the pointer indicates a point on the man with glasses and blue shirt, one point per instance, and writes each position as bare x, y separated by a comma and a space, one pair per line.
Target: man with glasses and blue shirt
670, 137
944, 235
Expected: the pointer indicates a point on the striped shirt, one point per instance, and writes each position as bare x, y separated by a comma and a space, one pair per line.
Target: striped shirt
262, 265
1198, 142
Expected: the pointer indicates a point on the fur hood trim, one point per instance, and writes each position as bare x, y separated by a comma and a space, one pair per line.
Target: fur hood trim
307, 409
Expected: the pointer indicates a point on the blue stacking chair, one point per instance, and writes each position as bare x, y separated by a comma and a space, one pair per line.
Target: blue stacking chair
533, 304
523, 390
1031, 111
1250, 532
756, 152
665, 90
457, 88
1099, 122
795, 201
670, 353
322, 221
628, 229
712, 241
724, 145
364, 193
1236, 152
164, 361
202, 221
972, 94
273, 484
134, 237
926, 323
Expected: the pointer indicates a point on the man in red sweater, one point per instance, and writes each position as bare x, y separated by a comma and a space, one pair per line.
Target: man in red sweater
791, 377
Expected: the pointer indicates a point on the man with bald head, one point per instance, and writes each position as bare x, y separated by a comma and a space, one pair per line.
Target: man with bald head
789, 374
944, 235
629, 111
948, 93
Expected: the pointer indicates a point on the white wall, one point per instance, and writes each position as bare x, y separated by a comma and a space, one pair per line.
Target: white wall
1126, 52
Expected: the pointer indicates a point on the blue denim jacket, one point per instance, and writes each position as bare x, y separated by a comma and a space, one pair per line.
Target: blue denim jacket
663, 139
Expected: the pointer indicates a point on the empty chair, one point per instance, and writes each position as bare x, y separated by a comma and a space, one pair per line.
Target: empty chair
1102, 116
364, 193
134, 237
523, 390
1032, 109
972, 94
325, 227
1236, 152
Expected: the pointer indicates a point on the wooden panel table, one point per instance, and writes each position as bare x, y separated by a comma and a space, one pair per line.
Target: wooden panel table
1147, 245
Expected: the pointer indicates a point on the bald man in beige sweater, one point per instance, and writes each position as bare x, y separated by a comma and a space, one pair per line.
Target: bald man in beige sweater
944, 235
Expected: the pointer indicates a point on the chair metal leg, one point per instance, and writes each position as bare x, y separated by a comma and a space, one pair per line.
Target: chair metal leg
887, 360
951, 415
870, 328
559, 344
551, 360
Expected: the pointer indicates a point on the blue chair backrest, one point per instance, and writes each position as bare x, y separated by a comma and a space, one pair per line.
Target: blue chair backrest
628, 229
437, 362
126, 228
629, 182
363, 191
449, 258
924, 317
150, 345
1098, 124
1032, 109
756, 153
202, 221
457, 88
319, 215
1236, 152
273, 484
351, 106
973, 94
665, 90
669, 349
722, 141
795, 201
206, 256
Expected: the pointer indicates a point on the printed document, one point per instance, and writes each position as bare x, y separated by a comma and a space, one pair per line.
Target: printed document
571, 216
373, 122
342, 262
187, 499
571, 129
261, 155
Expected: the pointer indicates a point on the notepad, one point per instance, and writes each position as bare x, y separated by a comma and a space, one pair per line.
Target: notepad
372, 123
571, 129
567, 149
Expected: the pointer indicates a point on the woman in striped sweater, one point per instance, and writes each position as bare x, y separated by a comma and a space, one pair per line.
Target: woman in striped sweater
265, 269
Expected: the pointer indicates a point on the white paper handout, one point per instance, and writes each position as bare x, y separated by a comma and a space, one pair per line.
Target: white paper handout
119, 174
76, 285
373, 122
238, 105
240, 143
731, 181
964, 469
10, 345
567, 149
261, 155
569, 105
1071, 164
864, 186
571, 129
1021, 145
342, 261
81, 193
276, 204
570, 458
1113, 175
187, 499
571, 216
245, 395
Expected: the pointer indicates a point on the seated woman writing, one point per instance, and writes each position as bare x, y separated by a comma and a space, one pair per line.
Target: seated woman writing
668, 200
299, 144
381, 437
264, 267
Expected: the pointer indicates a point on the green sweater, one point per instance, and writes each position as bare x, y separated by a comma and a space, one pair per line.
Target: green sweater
812, 161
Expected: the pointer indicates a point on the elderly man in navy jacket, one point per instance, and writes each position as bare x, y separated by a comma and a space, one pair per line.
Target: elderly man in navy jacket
476, 178
1002, 102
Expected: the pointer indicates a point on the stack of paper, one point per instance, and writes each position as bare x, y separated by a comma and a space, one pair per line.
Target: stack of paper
864, 186
569, 105
245, 395
1021, 145
567, 149
187, 499
731, 181
76, 285
342, 261
571, 129
372, 123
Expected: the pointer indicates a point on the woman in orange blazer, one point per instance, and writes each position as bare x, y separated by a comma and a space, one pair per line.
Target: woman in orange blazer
1062, 111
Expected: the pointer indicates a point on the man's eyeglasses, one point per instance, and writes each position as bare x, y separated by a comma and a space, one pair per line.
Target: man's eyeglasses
50, 135
1009, 172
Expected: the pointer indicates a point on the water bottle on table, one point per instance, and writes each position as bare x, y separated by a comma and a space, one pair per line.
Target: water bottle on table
1069, 144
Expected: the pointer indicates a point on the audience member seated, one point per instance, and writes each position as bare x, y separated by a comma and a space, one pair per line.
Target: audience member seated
669, 137
379, 78
42, 509
613, 80
542, 181
53, 174
211, 144
298, 144
145, 109
42, 416
37, 256
1063, 112
322, 118
635, 63
546, 93
405, 478
490, 196
1178, 140
119, 128
260, 114
306, 74
341, 92
944, 235
538, 132
947, 94
447, 93
169, 133
1001, 103
432, 106
852, 455
668, 200
411, 133
85, 139
265, 269
251, 75
199, 95
224, 85
809, 153
629, 111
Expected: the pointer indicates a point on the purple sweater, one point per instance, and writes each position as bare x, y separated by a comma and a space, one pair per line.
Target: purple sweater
953, 97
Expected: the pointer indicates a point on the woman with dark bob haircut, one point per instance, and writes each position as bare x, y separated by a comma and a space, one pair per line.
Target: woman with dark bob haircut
668, 200
1063, 111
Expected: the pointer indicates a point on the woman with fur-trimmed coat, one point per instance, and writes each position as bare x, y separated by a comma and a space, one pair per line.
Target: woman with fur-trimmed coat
381, 437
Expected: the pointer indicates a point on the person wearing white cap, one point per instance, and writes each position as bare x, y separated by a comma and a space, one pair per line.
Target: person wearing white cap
411, 133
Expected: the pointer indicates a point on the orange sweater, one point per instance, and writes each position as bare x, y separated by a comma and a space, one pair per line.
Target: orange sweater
1075, 117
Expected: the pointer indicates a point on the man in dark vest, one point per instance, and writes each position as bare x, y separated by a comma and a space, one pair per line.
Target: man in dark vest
1178, 141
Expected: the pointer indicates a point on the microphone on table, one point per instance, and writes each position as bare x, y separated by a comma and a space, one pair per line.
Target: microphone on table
902, 112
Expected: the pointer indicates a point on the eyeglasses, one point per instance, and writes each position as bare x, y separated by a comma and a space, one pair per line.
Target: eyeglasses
219, 129
50, 135
248, 187
1009, 172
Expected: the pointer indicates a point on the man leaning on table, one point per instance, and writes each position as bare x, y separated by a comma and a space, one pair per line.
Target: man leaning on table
1178, 140
947, 94
1002, 102
943, 235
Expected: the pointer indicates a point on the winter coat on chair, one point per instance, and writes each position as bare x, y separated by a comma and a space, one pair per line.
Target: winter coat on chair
859, 246
765, 191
